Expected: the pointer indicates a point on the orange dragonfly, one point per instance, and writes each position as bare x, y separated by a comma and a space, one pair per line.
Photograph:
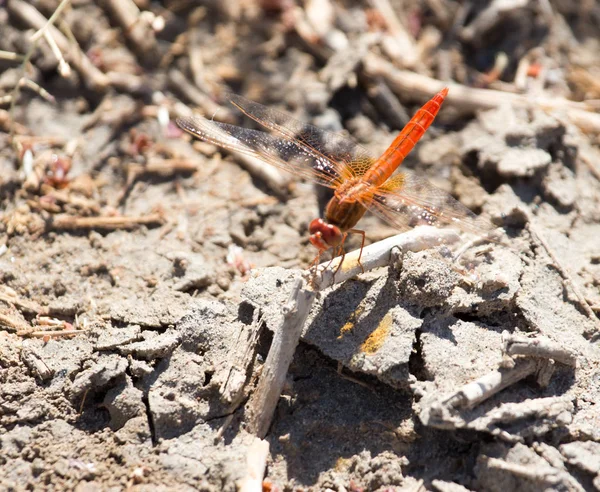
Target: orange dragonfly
360, 181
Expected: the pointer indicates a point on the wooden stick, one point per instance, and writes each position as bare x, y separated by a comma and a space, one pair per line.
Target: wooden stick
136, 30
378, 254
479, 390
256, 459
264, 401
9, 55
63, 67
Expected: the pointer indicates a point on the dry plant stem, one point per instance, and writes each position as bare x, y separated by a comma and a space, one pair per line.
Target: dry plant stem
49, 333
470, 100
28, 14
9, 55
53, 18
262, 404
378, 254
167, 167
65, 222
485, 387
139, 33
489, 17
37, 89
538, 347
8, 296
264, 400
256, 460
23, 10
63, 67
405, 50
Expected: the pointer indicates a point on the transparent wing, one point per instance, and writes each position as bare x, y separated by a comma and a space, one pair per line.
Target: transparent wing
283, 153
349, 158
406, 200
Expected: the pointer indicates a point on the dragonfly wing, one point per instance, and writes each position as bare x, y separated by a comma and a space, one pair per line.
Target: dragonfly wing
280, 152
406, 200
350, 159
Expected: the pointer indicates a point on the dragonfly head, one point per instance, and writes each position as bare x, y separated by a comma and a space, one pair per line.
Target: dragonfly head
323, 235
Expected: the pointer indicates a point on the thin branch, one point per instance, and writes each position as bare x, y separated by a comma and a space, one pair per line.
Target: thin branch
256, 461
9, 55
39, 90
66, 222
37, 36
264, 400
63, 67
378, 254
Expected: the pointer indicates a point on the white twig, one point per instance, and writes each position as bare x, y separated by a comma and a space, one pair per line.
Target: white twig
37, 89
475, 392
63, 5
378, 254
404, 47
257, 464
135, 28
9, 55
263, 402
63, 67
490, 17
445, 412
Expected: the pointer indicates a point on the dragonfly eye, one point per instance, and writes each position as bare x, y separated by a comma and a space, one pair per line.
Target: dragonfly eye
323, 235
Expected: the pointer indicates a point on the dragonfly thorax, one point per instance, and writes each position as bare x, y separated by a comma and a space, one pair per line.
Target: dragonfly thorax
346, 207
352, 189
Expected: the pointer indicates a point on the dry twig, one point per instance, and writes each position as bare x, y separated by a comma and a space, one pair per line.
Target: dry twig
65, 222
136, 29
29, 15
257, 463
378, 254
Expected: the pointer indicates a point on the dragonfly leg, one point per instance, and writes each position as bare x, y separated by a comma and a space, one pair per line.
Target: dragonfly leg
339, 250
362, 245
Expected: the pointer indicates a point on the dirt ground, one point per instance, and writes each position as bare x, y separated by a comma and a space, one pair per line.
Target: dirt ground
141, 270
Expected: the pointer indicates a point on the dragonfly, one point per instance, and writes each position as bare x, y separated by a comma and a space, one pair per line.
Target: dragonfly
359, 181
